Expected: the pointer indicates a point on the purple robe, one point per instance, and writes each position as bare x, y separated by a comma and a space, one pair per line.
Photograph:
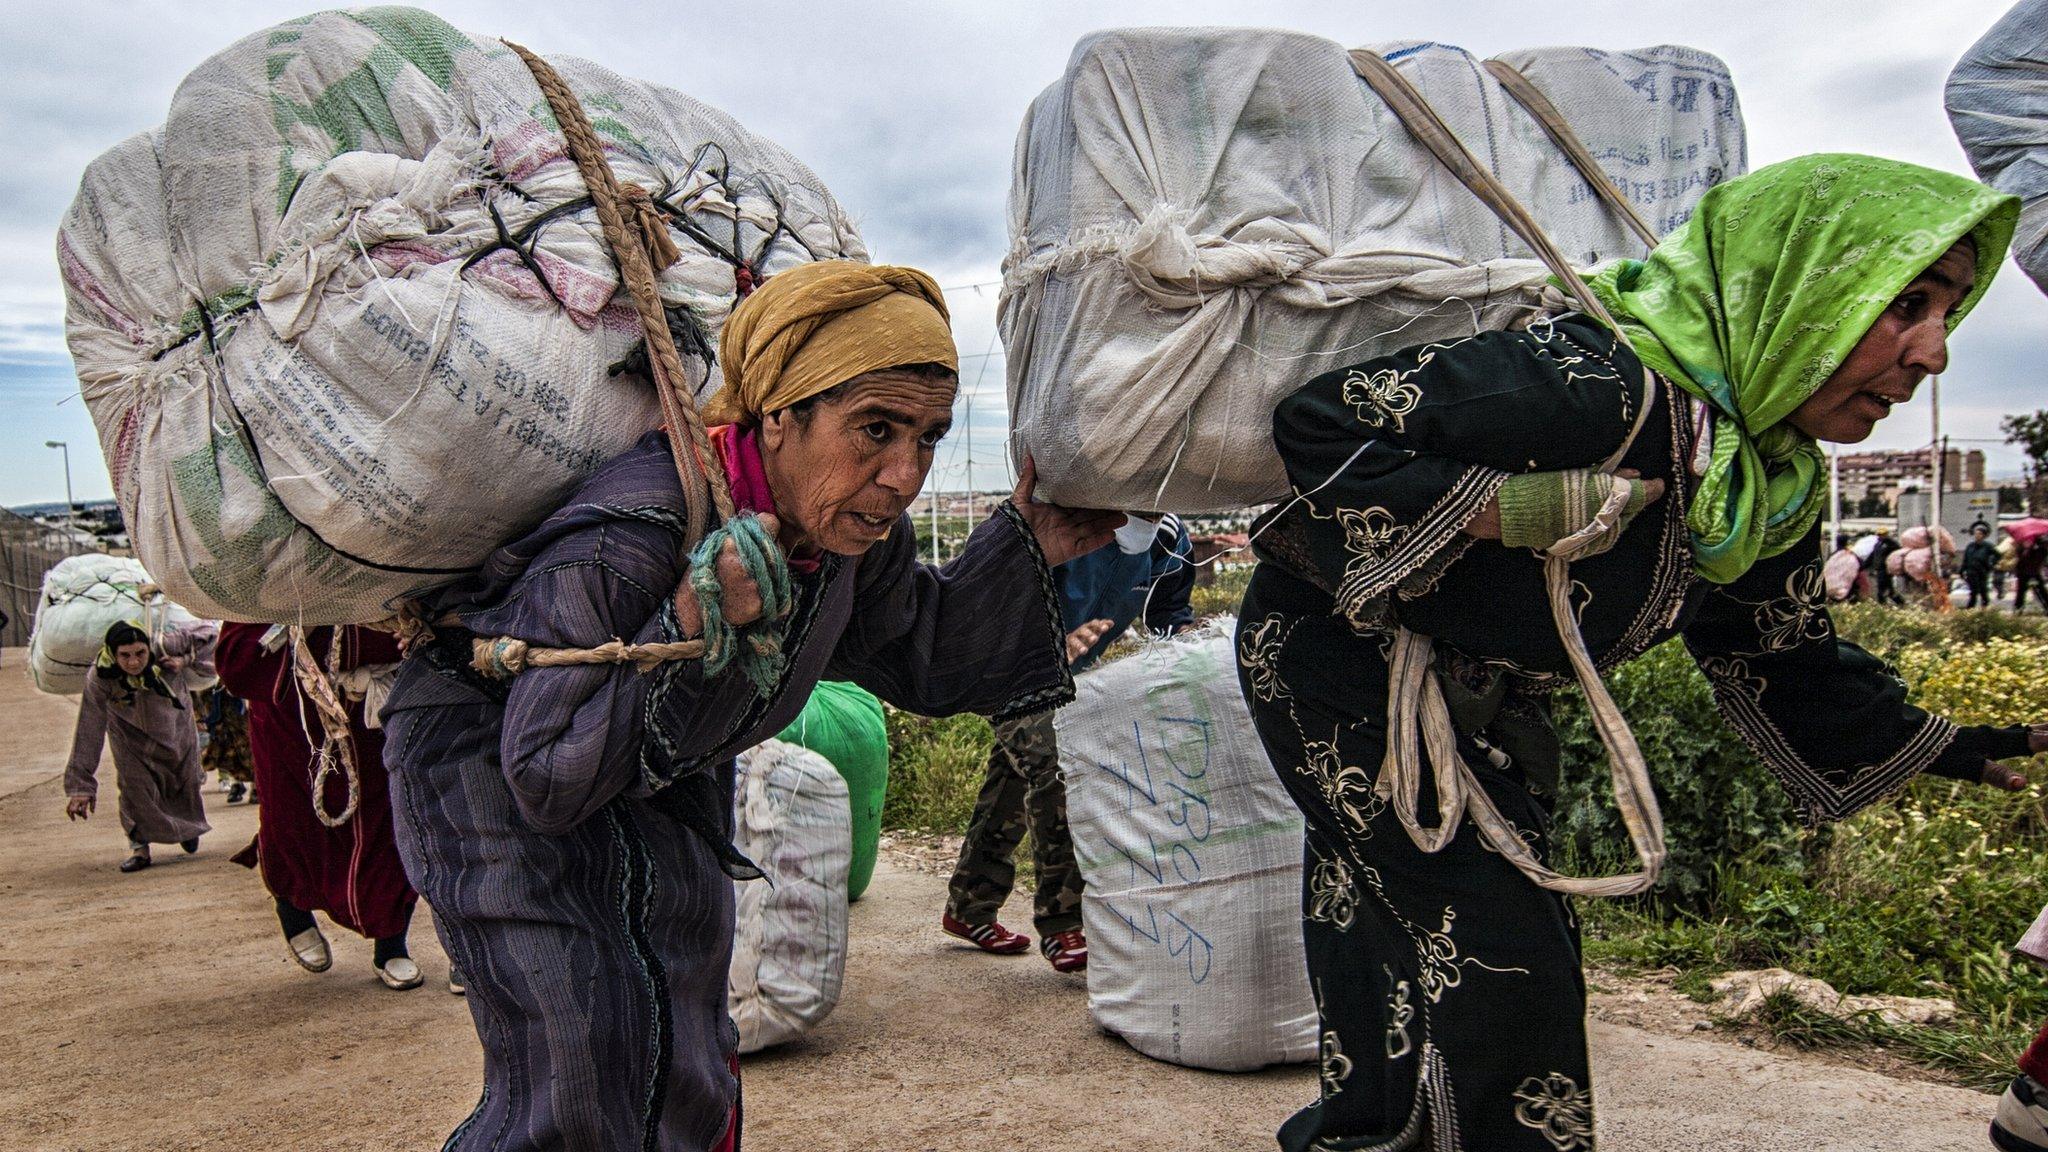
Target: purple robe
571, 829
155, 742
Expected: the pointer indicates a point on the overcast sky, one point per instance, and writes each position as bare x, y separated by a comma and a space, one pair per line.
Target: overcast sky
909, 111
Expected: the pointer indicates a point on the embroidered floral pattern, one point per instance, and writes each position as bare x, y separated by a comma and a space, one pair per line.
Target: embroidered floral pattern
1442, 967
1259, 652
1332, 898
1369, 535
1732, 674
1799, 617
1556, 1106
1347, 788
1336, 1066
1400, 1013
1381, 398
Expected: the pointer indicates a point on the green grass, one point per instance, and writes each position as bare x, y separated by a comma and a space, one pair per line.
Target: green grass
935, 771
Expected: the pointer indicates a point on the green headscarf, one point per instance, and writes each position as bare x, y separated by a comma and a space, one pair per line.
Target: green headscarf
1753, 303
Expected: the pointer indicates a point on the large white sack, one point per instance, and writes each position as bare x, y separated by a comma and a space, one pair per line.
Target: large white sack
322, 381
82, 597
1997, 100
1202, 219
790, 816
1191, 851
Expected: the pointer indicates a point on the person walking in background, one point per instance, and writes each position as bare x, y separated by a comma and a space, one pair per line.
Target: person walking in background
349, 870
1979, 558
224, 722
1102, 594
138, 700
1880, 569
2026, 571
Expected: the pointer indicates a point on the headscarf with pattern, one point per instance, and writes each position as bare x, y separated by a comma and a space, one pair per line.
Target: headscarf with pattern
1755, 301
151, 679
819, 325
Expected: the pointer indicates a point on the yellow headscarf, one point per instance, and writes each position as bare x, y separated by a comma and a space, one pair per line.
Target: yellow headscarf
819, 325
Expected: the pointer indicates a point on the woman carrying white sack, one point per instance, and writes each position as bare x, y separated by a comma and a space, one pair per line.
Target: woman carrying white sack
140, 699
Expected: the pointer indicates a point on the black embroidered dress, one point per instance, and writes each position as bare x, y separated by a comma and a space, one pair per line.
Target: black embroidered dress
1452, 999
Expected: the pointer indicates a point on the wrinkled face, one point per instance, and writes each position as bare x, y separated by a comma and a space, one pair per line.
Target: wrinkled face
132, 658
1907, 344
845, 471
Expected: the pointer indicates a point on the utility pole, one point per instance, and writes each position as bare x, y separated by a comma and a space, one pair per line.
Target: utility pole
70, 506
1936, 581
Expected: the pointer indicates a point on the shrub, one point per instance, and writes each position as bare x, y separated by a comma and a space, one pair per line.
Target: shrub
935, 771
1719, 803
1922, 895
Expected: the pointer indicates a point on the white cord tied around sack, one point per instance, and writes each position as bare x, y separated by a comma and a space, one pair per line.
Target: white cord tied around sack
1416, 711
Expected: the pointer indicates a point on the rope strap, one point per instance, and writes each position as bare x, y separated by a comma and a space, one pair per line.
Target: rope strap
642, 252
1415, 699
756, 647
1430, 131
502, 657
337, 750
1524, 92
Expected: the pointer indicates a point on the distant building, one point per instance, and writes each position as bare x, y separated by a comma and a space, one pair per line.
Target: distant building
1883, 475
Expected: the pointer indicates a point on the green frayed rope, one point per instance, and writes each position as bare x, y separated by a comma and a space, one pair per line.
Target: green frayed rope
757, 646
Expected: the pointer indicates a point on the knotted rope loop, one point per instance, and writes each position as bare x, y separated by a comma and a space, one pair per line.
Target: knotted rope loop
756, 646
337, 749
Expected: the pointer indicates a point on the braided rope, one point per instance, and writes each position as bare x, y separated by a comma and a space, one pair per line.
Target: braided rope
641, 253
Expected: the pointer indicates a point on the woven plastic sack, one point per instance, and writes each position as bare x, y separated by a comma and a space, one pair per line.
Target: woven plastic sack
789, 942
1997, 100
346, 321
843, 723
82, 597
1203, 219
1191, 851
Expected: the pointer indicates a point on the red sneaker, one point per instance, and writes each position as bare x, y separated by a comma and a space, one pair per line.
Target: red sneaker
989, 937
1068, 951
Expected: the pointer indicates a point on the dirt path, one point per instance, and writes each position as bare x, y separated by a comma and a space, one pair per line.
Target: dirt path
159, 1012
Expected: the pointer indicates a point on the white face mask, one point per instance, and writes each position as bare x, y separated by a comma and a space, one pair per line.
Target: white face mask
1136, 535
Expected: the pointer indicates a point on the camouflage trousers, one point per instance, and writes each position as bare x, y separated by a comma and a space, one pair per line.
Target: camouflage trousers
1022, 792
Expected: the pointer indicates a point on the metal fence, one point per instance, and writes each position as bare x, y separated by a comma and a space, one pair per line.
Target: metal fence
27, 550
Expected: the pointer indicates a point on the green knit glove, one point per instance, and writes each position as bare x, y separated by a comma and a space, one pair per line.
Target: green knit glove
1541, 508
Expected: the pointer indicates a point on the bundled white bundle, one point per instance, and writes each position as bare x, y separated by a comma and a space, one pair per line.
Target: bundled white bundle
791, 817
1997, 100
347, 322
1203, 219
82, 597
1191, 850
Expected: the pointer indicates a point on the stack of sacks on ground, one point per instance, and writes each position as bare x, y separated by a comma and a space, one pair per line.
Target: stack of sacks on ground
346, 322
82, 597
1203, 219
1191, 851
790, 817
844, 723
